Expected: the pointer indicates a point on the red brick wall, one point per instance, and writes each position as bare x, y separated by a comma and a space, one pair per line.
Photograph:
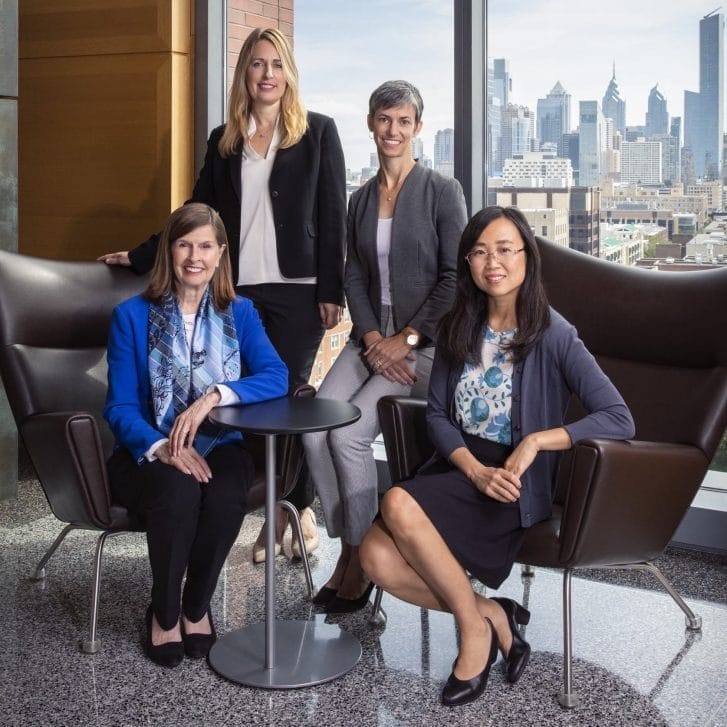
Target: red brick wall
244, 15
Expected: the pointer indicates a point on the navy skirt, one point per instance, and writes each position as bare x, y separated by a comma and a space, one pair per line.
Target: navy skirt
484, 535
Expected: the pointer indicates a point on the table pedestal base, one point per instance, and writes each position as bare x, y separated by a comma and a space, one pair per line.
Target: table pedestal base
306, 653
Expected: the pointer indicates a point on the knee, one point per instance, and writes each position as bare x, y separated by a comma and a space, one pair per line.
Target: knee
314, 443
397, 510
350, 438
373, 556
171, 492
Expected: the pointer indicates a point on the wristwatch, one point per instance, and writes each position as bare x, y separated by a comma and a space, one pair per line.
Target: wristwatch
412, 340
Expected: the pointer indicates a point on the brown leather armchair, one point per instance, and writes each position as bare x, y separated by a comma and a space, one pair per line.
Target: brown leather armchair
54, 319
660, 337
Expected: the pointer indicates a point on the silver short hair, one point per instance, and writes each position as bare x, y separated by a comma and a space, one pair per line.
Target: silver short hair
392, 94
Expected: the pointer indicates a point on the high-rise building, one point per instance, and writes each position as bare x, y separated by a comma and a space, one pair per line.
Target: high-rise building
499, 85
517, 132
657, 117
591, 143
444, 152
501, 81
570, 150
614, 107
553, 116
704, 123
670, 158
641, 162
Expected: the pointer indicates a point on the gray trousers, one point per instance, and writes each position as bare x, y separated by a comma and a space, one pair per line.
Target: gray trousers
341, 461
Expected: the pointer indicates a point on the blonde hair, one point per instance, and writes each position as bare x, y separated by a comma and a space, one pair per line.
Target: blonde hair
294, 120
180, 223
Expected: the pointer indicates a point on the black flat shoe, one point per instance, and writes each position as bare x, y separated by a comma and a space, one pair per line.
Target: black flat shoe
324, 596
349, 605
169, 654
197, 646
519, 655
458, 691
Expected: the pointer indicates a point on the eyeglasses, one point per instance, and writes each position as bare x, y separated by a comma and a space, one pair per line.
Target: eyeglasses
501, 254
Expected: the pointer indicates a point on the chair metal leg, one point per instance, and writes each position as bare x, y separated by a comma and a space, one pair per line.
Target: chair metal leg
377, 616
693, 620
298, 534
39, 573
567, 698
91, 645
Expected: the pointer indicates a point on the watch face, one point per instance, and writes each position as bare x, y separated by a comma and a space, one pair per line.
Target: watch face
412, 339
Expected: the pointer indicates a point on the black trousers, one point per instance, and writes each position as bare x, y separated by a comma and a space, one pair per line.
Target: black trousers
292, 321
190, 526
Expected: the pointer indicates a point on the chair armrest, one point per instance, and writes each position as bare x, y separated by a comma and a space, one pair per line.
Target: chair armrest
626, 499
65, 448
404, 429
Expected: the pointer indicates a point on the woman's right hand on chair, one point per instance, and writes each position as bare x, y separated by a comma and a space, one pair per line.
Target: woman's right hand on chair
188, 461
115, 258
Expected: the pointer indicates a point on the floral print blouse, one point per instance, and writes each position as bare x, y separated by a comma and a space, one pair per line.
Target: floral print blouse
484, 393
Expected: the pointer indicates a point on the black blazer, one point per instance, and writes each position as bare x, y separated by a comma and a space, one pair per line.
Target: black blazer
308, 191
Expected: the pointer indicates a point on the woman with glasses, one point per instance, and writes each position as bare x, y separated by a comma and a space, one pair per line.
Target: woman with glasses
276, 175
403, 227
505, 367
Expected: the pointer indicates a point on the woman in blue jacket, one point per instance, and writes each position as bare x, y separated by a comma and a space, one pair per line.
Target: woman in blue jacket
184, 346
505, 367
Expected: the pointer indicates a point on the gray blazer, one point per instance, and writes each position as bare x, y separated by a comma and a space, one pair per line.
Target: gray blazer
429, 217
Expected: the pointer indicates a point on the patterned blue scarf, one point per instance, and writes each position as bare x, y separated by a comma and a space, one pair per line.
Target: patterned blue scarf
178, 376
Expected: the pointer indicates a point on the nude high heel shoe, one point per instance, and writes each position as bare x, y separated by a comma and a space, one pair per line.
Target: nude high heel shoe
281, 525
310, 533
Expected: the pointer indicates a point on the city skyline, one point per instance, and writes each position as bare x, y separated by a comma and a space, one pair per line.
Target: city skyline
651, 43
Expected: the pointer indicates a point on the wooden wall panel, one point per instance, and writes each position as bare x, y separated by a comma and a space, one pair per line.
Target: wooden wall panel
105, 137
103, 27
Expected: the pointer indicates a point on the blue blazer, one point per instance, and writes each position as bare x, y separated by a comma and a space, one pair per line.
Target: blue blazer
557, 366
128, 407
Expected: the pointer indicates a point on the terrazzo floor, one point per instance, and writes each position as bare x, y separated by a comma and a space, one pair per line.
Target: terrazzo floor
635, 664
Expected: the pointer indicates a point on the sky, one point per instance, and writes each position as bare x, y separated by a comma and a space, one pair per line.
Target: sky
345, 49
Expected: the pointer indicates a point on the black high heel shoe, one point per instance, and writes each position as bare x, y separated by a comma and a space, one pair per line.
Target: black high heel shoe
324, 596
348, 605
169, 654
458, 691
519, 655
197, 646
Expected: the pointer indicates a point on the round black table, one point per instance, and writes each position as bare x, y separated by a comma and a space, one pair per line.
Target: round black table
308, 652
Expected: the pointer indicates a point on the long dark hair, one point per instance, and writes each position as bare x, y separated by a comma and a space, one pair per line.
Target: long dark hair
460, 330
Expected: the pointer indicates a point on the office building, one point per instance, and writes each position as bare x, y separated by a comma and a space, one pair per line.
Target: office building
537, 169
517, 132
704, 120
592, 143
641, 162
553, 116
552, 224
657, 116
670, 158
571, 150
444, 152
582, 204
613, 106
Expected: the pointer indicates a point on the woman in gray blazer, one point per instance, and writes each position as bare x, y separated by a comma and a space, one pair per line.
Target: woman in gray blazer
403, 229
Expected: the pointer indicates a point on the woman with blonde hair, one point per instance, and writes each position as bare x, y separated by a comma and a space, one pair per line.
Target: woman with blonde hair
276, 175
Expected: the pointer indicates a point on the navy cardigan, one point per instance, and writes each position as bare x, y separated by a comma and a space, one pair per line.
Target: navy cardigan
557, 366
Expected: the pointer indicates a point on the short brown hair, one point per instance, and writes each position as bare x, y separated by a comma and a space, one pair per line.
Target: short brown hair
181, 222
